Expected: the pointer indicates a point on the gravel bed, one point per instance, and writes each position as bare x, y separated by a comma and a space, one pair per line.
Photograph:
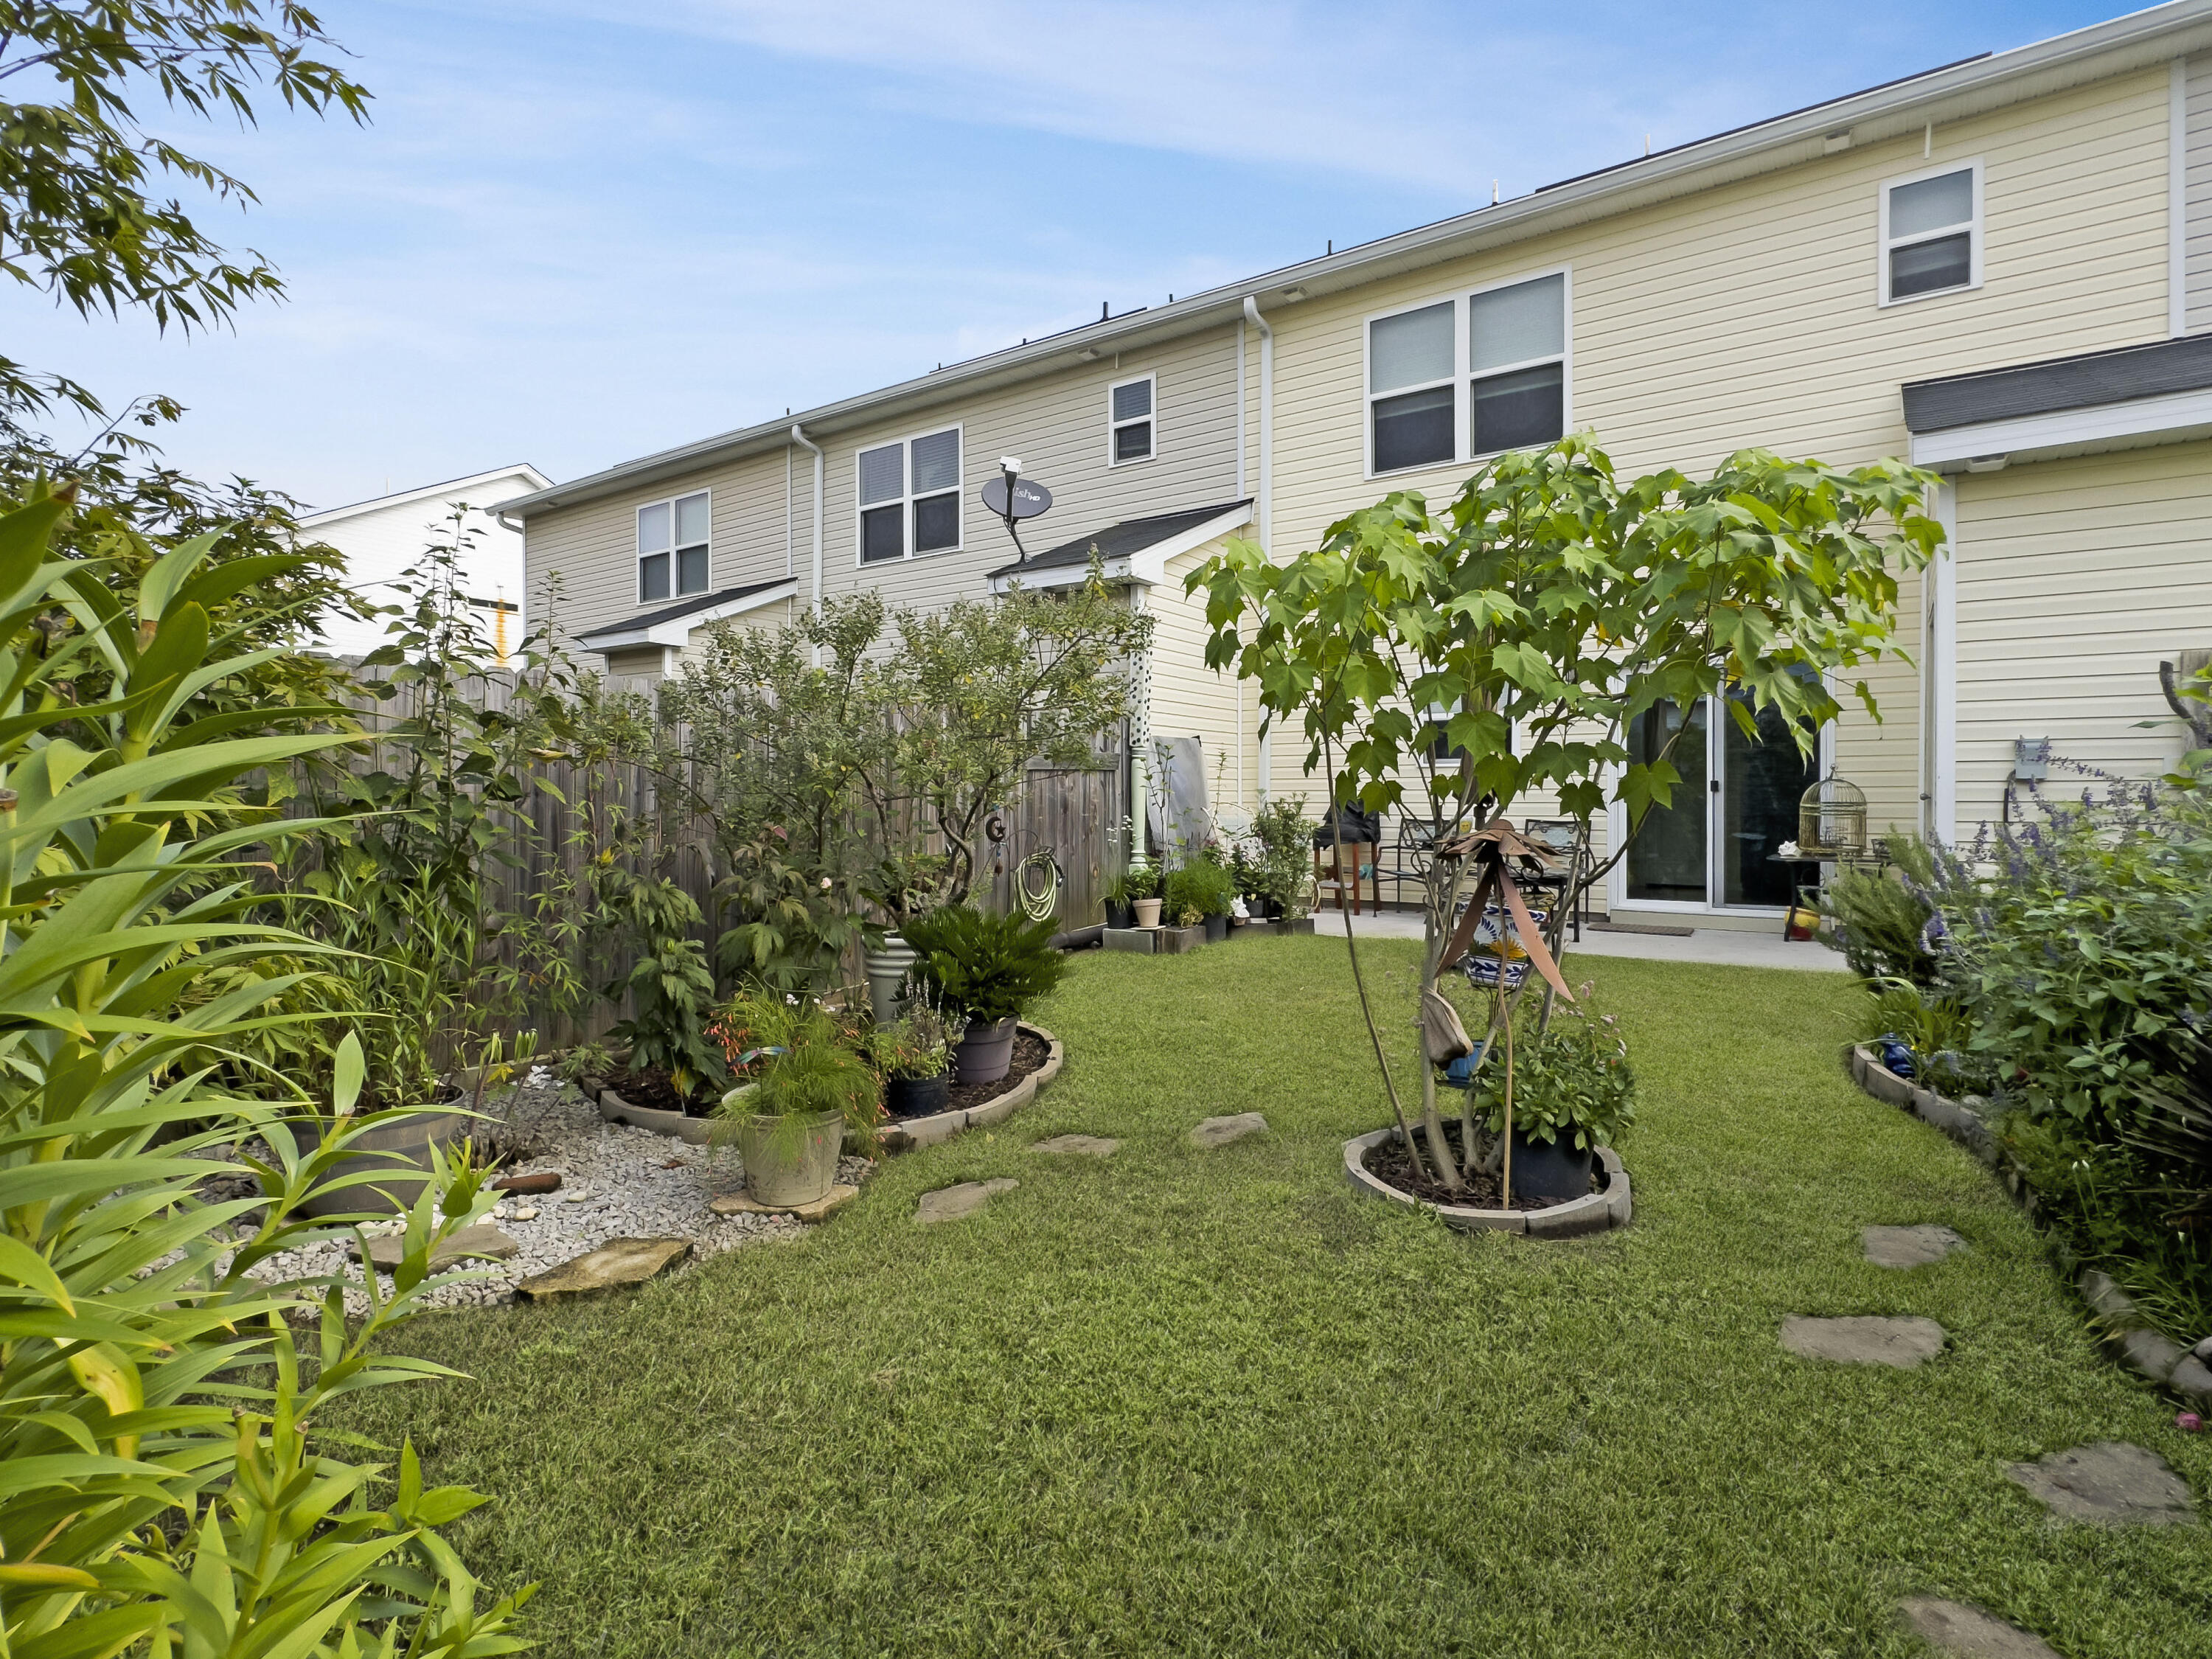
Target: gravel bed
617, 1181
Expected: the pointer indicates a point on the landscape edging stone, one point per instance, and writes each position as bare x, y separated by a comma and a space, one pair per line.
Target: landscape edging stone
916, 1132
1599, 1213
2146, 1350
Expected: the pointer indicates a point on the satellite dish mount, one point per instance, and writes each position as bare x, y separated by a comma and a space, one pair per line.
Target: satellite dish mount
1013, 498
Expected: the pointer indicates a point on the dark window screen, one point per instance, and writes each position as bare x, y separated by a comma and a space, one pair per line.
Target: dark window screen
1512, 412
936, 524
879, 535
1943, 262
652, 577
1414, 429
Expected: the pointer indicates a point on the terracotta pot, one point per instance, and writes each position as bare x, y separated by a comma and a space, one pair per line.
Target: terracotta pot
986, 1053
790, 1163
1148, 911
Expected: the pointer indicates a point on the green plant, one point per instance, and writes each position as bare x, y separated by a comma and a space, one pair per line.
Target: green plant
1876, 919
1445, 664
988, 967
670, 990
798, 1059
920, 1045
798, 922
1571, 1080
1198, 889
170, 1480
1141, 881
1283, 863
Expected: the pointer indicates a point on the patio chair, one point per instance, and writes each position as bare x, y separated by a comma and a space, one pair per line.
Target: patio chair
1411, 854
1331, 881
1566, 839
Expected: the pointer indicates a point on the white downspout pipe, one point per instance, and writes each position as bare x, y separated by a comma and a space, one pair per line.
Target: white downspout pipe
1264, 506
803, 442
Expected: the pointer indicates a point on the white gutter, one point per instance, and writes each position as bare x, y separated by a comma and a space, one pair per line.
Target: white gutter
1264, 508
801, 439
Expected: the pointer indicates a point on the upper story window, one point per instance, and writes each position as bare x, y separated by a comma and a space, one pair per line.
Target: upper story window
1129, 419
910, 498
1468, 376
1931, 233
672, 543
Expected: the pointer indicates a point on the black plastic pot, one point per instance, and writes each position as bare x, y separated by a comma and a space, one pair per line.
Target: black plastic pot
1550, 1169
1217, 929
1120, 914
917, 1096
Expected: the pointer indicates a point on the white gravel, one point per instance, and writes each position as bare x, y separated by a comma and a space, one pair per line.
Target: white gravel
617, 1181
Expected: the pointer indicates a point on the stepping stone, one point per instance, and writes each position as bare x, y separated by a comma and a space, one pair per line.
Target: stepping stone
2110, 1482
951, 1203
1864, 1341
616, 1265
1089, 1145
1220, 1131
820, 1210
1961, 1628
388, 1250
1909, 1247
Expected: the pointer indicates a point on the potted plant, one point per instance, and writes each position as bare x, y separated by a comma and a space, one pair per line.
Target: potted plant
1572, 1093
805, 1088
1201, 892
990, 968
1120, 913
1142, 885
915, 1059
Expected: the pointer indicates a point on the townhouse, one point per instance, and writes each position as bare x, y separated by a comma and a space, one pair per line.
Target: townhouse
2001, 268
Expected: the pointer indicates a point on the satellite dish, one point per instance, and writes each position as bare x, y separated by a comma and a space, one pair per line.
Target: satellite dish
1030, 499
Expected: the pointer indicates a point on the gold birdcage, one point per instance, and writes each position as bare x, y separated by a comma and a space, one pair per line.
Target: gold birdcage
1831, 820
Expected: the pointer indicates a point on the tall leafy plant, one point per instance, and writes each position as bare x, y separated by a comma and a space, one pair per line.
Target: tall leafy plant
168, 1485
1444, 663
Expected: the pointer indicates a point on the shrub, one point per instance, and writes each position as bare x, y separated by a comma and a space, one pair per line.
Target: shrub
671, 991
1572, 1079
1877, 919
989, 967
1200, 889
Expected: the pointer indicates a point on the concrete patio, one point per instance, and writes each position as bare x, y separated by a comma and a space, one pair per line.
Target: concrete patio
1729, 946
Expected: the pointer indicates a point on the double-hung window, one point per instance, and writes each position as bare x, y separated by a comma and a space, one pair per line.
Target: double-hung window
1471, 375
672, 544
1931, 234
910, 498
1129, 419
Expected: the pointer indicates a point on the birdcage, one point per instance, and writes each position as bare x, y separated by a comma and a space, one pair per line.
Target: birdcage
1831, 820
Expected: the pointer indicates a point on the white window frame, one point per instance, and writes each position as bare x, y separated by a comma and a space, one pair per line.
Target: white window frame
1462, 378
1114, 427
1884, 246
906, 501
674, 563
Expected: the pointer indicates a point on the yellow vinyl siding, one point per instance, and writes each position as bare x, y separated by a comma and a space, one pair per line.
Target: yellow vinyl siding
1188, 699
1747, 315
2075, 579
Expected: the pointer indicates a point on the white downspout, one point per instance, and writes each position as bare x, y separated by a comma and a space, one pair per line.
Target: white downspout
1264, 506
803, 442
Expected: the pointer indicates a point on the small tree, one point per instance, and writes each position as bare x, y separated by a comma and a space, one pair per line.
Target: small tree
1553, 599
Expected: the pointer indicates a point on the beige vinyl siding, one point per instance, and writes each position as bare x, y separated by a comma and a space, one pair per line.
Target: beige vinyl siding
2196, 185
1747, 315
1057, 427
592, 548
2075, 579
1188, 699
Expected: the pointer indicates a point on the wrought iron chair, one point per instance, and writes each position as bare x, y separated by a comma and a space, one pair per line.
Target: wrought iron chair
1567, 841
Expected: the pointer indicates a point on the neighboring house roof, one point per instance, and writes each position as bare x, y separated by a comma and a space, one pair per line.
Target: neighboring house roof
537, 481
672, 624
2077, 406
1974, 85
1135, 549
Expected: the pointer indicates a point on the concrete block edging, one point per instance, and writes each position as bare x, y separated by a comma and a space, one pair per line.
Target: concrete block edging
1597, 1213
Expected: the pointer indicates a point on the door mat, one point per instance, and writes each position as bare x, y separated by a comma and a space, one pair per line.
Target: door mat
1600, 925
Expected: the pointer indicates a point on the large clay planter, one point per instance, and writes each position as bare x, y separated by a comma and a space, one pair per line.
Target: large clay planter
788, 1164
986, 1053
397, 1154
887, 971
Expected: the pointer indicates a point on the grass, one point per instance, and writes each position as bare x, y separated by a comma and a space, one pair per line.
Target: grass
1212, 1403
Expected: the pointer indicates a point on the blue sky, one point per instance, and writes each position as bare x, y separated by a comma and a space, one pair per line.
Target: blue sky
578, 230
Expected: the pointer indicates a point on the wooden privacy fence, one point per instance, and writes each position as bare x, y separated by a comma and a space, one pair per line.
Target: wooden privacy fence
1072, 813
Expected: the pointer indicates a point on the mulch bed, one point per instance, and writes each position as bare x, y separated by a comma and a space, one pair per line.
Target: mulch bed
1030, 1054
1390, 1161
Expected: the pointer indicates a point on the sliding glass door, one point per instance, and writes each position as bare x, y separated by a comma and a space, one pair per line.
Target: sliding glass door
1714, 845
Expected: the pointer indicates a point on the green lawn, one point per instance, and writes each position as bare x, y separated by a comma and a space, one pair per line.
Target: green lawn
1212, 1403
